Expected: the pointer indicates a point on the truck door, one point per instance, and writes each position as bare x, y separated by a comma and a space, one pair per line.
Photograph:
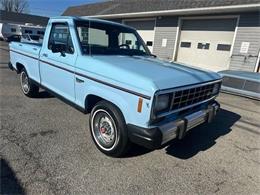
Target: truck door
57, 61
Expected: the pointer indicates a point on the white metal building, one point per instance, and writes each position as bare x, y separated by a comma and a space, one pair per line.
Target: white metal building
212, 34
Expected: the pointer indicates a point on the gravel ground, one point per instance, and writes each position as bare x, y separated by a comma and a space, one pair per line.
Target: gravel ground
46, 148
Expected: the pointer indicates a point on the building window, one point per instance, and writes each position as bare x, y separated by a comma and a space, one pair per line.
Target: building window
224, 47
128, 42
149, 43
203, 46
28, 31
186, 44
13, 30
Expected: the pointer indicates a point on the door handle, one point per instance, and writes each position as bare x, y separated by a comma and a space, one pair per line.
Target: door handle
45, 55
79, 80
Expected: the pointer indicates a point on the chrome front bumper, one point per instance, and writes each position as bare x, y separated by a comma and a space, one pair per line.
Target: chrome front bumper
179, 127
158, 135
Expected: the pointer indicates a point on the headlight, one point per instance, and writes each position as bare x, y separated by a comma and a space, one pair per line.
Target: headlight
216, 88
162, 102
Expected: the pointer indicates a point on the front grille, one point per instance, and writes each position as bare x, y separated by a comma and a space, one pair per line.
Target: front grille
191, 96
187, 97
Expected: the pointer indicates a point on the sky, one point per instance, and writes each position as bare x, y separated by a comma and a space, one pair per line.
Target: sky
54, 7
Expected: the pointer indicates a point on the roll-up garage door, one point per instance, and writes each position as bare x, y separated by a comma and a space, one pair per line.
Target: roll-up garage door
206, 43
146, 30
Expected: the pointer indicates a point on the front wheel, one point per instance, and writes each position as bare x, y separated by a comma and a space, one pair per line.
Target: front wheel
108, 129
28, 88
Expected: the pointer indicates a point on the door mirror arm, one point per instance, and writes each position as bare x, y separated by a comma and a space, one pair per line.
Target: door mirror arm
62, 53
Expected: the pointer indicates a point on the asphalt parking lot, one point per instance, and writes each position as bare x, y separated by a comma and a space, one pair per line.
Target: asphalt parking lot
46, 148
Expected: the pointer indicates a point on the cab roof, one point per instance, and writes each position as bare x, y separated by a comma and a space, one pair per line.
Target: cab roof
85, 18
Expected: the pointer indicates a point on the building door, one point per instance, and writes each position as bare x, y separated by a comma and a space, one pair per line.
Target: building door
206, 43
145, 28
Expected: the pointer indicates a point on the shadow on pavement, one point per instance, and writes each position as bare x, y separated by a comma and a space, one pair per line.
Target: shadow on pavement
198, 139
9, 184
136, 150
203, 137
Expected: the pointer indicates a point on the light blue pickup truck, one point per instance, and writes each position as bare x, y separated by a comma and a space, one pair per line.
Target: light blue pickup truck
105, 69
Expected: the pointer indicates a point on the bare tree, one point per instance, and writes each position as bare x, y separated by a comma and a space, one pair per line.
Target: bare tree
18, 6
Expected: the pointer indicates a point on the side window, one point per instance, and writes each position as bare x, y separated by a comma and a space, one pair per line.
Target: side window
60, 37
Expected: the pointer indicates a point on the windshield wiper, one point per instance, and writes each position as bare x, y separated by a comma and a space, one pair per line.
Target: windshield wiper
155, 56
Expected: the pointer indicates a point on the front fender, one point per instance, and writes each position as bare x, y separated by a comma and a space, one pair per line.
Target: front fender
126, 102
112, 97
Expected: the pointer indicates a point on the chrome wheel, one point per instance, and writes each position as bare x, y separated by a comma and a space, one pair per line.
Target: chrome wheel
104, 130
24, 82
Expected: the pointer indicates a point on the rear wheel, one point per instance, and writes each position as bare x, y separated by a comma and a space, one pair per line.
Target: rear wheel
28, 88
108, 129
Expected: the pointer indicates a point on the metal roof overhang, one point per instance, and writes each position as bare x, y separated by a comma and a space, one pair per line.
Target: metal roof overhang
204, 10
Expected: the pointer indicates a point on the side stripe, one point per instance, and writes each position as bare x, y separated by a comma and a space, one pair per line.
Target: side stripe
88, 77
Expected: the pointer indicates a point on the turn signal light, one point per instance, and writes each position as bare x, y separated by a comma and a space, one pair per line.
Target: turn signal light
140, 105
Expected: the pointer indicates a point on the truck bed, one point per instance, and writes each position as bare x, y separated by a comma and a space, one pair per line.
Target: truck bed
26, 54
26, 48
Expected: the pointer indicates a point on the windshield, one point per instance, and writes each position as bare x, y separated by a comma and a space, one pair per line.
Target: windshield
107, 39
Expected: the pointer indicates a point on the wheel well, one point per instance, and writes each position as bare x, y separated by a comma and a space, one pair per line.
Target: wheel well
91, 101
19, 67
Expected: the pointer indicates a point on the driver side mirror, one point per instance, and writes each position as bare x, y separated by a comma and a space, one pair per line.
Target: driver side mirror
58, 48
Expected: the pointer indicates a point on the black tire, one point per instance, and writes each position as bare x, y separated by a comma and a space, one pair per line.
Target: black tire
113, 121
28, 87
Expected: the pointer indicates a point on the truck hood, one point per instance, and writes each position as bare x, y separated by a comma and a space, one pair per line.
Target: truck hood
162, 74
